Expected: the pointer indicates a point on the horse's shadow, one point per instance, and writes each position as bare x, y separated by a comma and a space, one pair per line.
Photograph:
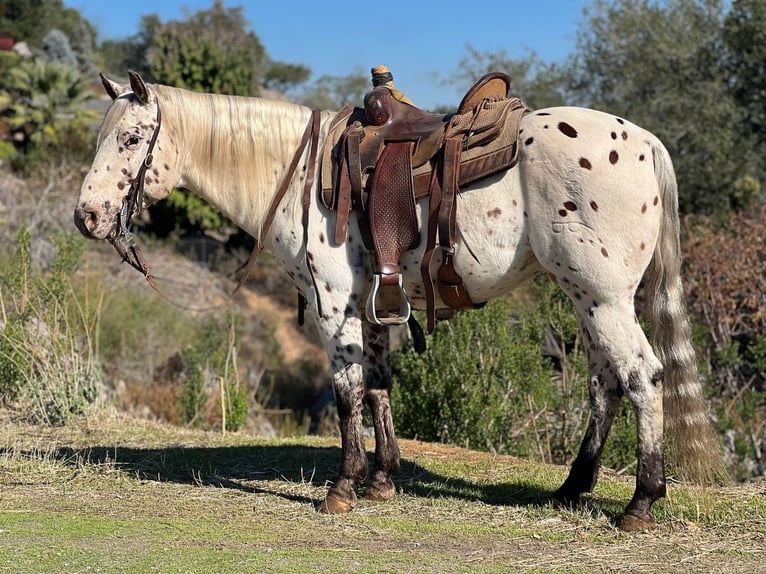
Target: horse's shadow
247, 468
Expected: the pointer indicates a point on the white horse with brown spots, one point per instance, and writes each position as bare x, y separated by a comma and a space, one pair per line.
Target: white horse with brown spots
592, 202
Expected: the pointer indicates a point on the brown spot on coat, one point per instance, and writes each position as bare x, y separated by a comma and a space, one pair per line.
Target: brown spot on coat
528, 141
624, 135
563, 212
656, 200
585, 163
643, 208
567, 130
594, 206
570, 205
604, 252
494, 213
613, 157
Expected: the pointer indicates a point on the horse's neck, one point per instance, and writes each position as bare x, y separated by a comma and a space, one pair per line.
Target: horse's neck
235, 150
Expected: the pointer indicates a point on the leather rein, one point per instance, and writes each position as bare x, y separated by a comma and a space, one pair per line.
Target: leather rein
132, 205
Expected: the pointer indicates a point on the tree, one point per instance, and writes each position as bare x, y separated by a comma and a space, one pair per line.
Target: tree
745, 37
661, 65
56, 49
537, 83
332, 92
31, 20
131, 53
213, 51
282, 77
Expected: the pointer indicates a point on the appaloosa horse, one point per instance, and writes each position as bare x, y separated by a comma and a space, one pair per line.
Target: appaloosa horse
592, 202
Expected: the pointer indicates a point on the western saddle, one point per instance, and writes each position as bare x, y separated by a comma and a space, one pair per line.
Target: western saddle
379, 160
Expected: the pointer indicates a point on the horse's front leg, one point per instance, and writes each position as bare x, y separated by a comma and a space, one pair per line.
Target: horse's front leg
343, 340
378, 381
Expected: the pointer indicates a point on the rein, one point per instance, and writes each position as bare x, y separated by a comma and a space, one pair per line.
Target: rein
311, 133
132, 205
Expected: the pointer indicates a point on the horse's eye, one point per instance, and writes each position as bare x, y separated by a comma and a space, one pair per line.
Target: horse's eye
132, 141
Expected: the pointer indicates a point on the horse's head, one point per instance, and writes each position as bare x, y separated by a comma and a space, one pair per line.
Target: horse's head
134, 164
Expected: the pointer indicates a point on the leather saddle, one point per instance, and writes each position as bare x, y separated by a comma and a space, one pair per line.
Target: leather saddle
381, 158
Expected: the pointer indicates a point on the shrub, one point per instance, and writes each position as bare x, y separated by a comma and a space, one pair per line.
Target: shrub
47, 360
210, 365
727, 299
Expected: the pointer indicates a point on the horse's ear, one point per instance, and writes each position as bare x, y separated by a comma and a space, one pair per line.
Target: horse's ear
139, 88
114, 89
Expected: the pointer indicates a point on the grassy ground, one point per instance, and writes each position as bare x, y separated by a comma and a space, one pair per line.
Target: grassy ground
112, 494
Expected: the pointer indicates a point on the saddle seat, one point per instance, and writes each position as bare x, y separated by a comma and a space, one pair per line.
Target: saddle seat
380, 159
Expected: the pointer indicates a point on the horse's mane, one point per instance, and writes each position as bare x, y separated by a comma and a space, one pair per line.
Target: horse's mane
234, 148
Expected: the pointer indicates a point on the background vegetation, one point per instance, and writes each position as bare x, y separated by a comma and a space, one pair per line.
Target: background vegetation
507, 379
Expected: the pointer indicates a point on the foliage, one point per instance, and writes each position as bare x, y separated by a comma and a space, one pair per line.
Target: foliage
119, 56
47, 359
537, 83
213, 51
744, 35
56, 49
484, 382
44, 110
662, 65
332, 92
730, 305
209, 366
282, 77
31, 20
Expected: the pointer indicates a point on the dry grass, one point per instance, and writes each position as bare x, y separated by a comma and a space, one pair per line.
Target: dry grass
115, 494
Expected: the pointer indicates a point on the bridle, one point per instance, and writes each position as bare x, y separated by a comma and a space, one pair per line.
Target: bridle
132, 205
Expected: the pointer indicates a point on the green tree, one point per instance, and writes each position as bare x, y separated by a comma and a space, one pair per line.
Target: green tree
213, 51
661, 65
119, 56
31, 20
537, 83
283, 77
745, 37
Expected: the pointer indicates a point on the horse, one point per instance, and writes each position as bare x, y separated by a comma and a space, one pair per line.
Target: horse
592, 202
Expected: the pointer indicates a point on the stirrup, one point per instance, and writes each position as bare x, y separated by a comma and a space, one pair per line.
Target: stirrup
404, 307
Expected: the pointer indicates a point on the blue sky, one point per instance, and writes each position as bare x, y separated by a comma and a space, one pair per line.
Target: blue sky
417, 40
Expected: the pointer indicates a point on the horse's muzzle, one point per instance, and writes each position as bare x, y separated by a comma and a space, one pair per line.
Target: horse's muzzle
90, 222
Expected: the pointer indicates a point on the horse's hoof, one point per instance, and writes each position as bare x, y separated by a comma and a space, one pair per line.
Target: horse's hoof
633, 523
381, 490
335, 503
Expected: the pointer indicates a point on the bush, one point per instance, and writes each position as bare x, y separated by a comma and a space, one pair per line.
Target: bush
511, 382
727, 299
48, 367
209, 366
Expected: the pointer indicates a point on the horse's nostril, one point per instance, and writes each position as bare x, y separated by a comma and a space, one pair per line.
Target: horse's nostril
86, 220
89, 220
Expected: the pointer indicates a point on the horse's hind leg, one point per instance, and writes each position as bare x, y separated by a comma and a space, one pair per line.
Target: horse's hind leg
377, 362
605, 393
616, 333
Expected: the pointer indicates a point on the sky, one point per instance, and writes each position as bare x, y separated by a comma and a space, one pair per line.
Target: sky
420, 42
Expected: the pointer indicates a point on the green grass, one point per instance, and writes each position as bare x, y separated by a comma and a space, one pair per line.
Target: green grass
112, 494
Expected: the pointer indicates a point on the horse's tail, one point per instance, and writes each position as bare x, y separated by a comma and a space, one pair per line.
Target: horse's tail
693, 449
